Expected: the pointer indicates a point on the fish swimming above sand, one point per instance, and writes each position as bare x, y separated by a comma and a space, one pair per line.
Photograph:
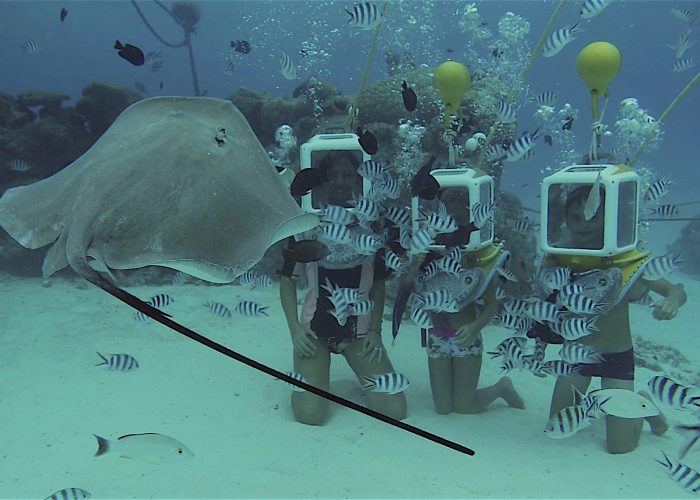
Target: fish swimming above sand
148, 447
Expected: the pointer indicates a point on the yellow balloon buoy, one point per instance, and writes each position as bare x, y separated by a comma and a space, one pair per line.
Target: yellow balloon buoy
597, 64
451, 80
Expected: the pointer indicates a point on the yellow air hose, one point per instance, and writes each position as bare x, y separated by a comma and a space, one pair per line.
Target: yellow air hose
535, 54
365, 72
663, 116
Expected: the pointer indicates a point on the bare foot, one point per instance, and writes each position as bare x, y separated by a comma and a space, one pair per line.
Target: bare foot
509, 394
658, 424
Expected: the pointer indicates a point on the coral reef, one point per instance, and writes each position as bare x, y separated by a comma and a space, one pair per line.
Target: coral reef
665, 359
101, 103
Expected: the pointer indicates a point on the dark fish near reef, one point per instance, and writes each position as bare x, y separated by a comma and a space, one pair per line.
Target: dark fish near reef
423, 184
548, 139
367, 141
242, 46
160, 86
450, 50
131, 53
305, 251
410, 101
496, 52
306, 180
64, 13
568, 123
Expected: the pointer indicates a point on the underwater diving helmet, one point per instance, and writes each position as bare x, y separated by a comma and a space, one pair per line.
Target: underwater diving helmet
467, 190
576, 221
327, 148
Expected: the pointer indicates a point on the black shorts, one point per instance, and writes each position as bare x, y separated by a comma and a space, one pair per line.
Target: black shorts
619, 365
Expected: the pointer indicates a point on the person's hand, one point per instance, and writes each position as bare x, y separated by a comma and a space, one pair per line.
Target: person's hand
373, 349
665, 309
466, 335
303, 340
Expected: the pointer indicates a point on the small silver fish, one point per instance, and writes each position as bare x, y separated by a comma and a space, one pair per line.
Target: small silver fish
593, 199
149, 447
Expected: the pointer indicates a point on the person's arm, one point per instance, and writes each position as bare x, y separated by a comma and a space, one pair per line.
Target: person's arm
301, 335
288, 299
674, 298
467, 332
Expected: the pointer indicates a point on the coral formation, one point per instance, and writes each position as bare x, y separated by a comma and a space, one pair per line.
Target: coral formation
101, 103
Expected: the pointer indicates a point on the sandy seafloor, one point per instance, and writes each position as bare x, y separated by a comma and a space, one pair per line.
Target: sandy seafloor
239, 423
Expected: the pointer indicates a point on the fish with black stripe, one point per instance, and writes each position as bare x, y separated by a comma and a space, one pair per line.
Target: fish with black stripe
365, 16
388, 383
119, 362
69, 494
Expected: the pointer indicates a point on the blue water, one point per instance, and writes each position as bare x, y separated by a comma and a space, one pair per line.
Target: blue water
79, 50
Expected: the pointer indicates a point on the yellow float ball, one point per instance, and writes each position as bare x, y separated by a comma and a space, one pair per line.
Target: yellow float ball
451, 79
597, 64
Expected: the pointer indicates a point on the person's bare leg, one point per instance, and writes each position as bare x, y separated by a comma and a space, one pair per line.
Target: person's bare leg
392, 405
309, 408
468, 399
622, 434
658, 424
563, 394
440, 370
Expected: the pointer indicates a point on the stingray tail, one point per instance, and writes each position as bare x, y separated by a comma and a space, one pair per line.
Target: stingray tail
81, 266
400, 307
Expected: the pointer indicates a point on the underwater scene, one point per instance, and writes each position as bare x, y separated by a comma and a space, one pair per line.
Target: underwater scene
349, 249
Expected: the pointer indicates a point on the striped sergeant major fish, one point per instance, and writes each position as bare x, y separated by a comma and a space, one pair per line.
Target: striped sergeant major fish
658, 189
579, 353
567, 422
522, 146
575, 328
158, 301
219, 309
687, 478
30, 47
336, 233
685, 15
421, 318
560, 38
388, 383
299, 377
667, 210
673, 394
582, 304
161, 300
250, 309
505, 112
287, 67
547, 98
592, 8
683, 64
118, 362
658, 267
371, 169
361, 307
365, 16
336, 215
69, 494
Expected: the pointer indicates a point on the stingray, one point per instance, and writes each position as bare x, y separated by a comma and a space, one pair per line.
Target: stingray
175, 181
179, 182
